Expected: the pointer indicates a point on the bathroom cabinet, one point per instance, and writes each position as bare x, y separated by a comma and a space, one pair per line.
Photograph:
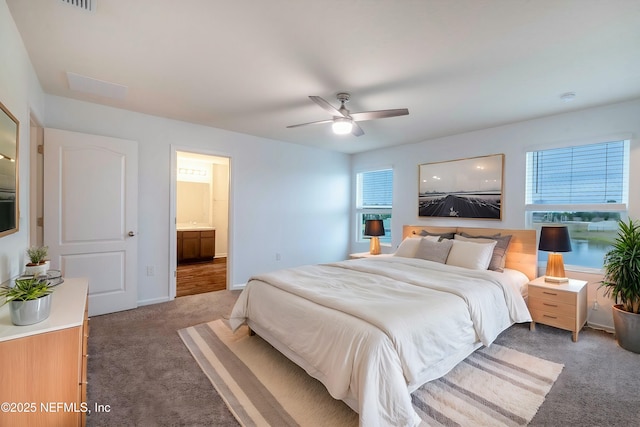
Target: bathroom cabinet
196, 245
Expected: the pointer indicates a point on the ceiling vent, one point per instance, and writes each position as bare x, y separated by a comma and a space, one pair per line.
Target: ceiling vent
88, 5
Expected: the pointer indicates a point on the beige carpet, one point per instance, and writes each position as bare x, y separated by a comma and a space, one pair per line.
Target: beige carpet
495, 386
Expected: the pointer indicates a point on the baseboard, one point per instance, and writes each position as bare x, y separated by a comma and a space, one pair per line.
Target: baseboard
600, 327
237, 287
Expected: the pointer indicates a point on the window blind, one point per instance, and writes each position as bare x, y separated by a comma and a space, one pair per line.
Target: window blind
585, 174
377, 189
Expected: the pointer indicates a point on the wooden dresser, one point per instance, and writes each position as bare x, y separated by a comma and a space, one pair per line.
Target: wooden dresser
43, 367
562, 305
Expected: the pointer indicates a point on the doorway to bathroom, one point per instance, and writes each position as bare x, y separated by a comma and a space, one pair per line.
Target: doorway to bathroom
201, 222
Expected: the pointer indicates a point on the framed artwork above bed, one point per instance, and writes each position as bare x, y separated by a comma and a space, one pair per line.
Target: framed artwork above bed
465, 188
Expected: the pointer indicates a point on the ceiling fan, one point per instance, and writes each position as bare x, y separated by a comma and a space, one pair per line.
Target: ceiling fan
344, 122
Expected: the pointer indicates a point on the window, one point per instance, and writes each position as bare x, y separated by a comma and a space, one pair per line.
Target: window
584, 187
374, 198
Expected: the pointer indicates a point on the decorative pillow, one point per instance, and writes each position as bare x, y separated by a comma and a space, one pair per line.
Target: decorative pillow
439, 235
408, 247
499, 252
475, 256
434, 251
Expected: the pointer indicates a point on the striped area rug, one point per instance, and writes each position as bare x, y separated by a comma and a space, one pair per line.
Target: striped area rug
495, 386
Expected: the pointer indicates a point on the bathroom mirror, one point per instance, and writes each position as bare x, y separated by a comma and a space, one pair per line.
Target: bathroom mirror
8, 172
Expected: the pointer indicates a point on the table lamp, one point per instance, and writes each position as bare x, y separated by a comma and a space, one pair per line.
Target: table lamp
374, 228
555, 240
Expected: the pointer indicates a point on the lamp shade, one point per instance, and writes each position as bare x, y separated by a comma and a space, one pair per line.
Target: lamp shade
554, 239
373, 227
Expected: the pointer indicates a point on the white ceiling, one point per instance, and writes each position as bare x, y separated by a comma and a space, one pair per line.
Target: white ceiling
249, 65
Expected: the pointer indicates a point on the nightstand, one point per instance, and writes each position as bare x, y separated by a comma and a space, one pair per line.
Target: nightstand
366, 255
562, 305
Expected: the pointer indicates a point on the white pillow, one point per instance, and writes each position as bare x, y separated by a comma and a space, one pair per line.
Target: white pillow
408, 247
475, 256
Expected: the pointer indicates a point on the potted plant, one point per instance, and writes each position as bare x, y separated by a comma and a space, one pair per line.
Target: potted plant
38, 263
622, 283
29, 300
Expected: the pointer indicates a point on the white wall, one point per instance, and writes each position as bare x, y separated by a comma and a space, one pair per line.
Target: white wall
286, 199
514, 140
20, 92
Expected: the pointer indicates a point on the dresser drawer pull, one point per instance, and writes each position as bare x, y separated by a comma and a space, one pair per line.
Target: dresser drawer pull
549, 293
550, 317
549, 305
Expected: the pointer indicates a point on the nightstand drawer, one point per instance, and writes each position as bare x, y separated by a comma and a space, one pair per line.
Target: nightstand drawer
556, 295
553, 307
553, 319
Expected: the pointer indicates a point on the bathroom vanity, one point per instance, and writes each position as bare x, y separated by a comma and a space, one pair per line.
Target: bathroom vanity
196, 244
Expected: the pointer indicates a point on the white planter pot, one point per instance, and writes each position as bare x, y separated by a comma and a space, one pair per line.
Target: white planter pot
34, 270
29, 312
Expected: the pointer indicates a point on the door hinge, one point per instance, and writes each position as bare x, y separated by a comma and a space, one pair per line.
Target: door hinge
40, 222
40, 149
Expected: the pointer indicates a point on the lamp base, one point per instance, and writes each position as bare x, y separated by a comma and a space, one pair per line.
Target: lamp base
555, 269
558, 280
374, 246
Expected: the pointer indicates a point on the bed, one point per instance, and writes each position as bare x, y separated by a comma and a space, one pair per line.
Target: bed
373, 330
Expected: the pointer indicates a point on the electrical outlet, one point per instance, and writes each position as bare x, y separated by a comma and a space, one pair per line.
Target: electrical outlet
595, 306
150, 270
278, 256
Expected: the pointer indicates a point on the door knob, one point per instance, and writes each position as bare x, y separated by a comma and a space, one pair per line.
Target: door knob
132, 233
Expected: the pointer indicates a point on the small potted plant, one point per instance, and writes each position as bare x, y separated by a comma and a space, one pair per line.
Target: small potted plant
38, 263
29, 300
622, 283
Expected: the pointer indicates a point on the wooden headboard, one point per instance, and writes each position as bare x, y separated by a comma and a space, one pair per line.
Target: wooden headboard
522, 253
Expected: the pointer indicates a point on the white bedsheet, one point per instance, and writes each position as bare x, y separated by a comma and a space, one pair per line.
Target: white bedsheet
373, 330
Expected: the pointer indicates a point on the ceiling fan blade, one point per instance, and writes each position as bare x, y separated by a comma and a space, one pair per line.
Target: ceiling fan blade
381, 114
326, 106
311, 123
356, 130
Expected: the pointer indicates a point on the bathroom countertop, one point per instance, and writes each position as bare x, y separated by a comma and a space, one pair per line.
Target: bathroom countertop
194, 228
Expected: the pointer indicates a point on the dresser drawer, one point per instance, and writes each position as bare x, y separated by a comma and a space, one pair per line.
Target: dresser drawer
557, 295
552, 307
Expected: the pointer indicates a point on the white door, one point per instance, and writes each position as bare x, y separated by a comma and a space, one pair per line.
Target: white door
91, 214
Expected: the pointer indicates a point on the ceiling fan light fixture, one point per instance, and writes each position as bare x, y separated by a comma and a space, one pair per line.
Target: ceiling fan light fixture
342, 126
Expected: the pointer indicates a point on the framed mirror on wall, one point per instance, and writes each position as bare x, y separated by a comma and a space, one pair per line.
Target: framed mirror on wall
9, 215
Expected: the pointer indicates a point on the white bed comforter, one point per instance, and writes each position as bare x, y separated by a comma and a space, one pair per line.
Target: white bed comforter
374, 330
